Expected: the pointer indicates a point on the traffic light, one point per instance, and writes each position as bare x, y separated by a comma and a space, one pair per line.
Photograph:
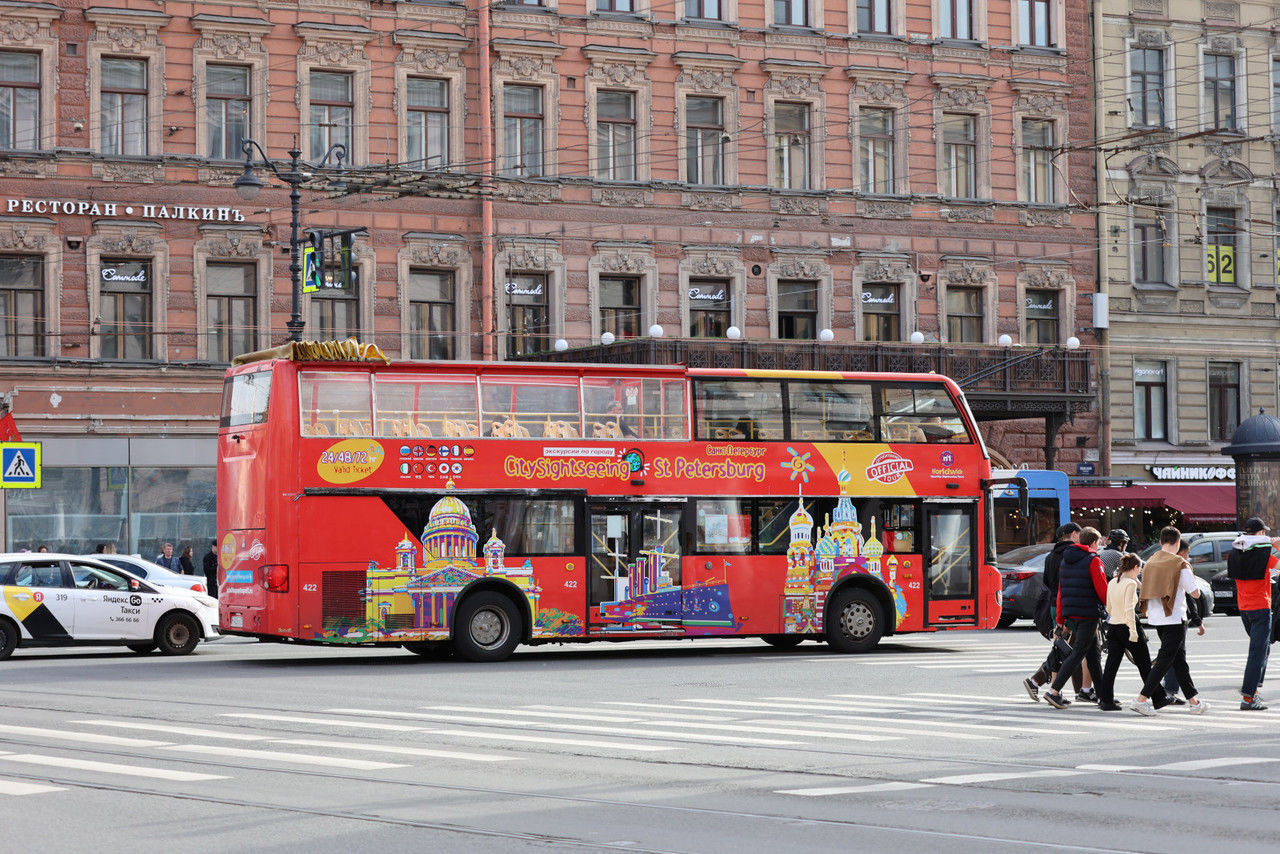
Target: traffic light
328, 260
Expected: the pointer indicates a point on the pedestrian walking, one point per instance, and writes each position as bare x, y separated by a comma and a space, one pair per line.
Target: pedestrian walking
1117, 545
1249, 564
211, 569
1082, 595
184, 560
1195, 618
1166, 580
1066, 536
1123, 632
168, 559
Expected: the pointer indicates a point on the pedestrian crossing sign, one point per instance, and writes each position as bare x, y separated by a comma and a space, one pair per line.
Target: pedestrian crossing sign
20, 465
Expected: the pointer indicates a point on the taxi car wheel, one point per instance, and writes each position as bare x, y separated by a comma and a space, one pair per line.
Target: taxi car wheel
8, 639
141, 648
487, 627
177, 634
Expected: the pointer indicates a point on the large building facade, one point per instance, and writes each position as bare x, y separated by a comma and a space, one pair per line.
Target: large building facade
1188, 198
526, 172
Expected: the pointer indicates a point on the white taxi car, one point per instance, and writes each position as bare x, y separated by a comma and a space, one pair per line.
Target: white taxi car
65, 600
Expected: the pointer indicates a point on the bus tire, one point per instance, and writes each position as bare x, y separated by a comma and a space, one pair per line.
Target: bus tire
782, 641
487, 627
855, 622
8, 638
178, 634
141, 648
430, 649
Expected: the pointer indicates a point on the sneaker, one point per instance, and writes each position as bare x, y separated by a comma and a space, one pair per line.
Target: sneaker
1143, 707
1056, 700
1252, 705
1175, 700
1033, 690
1088, 695
1198, 708
1109, 706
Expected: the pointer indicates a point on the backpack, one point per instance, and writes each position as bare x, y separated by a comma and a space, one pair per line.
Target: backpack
1042, 616
1248, 564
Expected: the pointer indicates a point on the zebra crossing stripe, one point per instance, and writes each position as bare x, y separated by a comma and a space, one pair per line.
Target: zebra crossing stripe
16, 787
110, 767
850, 790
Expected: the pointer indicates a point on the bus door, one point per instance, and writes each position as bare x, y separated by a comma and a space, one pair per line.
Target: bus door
951, 561
634, 566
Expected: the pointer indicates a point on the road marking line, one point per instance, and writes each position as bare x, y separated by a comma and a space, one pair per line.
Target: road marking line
875, 725
176, 730
280, 756
1189, 765
848, 790
966, 779
399, 750
323, 721
535, 739
89, 737
538, 714
848, 736
14, 787
652, 708
110, 767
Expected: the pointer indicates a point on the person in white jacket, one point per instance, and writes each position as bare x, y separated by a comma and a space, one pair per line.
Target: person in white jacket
1122, 631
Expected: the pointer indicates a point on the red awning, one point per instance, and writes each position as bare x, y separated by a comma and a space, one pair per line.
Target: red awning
1200, 503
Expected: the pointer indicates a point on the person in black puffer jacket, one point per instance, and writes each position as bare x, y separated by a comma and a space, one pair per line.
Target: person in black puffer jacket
1082, 594
1067, 535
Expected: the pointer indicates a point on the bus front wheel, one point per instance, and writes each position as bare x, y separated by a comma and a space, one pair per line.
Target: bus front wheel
855, 622
486, 627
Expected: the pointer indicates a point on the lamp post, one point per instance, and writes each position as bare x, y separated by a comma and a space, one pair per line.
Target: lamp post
247, 187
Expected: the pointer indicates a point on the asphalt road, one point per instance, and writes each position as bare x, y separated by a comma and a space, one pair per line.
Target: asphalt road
927, 744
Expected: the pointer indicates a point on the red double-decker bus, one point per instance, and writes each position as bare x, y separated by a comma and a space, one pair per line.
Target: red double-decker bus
492, 504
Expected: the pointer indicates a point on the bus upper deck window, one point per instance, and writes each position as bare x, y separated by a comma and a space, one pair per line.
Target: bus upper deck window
245, 398
920, 413
519, 408
426, 407
335, 404
738, 410
629, 407
830, 411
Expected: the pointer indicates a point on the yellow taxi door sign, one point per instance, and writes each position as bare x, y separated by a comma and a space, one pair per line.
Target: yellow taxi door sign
20, 465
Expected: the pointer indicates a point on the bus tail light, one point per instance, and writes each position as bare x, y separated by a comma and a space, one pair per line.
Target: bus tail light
276, 578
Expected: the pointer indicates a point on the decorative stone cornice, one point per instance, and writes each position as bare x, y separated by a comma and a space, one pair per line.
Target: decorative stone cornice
22, 24
426, 53
967, 273
878, 85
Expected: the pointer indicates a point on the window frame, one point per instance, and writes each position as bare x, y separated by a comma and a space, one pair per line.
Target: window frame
960, 15
423, 342
1144, 421
1224, 402
13, 316
956, 317
607, 152
322, 135
117, 297
1222, 230
1037, 167
696, 136
526, 127
783, 150
421, 117
217, 348
875, 317
120, 107
791, 317
230, 152
15, 86
949, 171
1148, 238
1142, 84
878, 15
887, 140
1031, 14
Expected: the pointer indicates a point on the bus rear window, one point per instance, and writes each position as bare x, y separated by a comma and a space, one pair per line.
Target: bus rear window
426, 407
739, 409
920, 413
335, 404
245, 398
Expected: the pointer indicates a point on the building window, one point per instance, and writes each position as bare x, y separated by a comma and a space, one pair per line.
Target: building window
332, 112
1149, 250
522, 131
797, 309
124, 106
1146, 84
709, 308
428, 116
707, 10
22, 317
1042, 317
335, 313
1220, 246
964, 315
1035, 27
955, 19
1150, 400
620, 306
1037, 160
433, 314
791, 146
873, 16
1220, 90
526, 314
959, 156
19, 100
226, 104
793, 13
881, 312
615, 6
705, 145
125, 309
616, 135
875, 140
232, 293
1224, 399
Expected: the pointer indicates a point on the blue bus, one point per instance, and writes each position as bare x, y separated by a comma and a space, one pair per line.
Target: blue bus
1049, 505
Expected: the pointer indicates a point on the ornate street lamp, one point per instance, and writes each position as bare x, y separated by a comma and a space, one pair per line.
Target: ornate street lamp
247, 187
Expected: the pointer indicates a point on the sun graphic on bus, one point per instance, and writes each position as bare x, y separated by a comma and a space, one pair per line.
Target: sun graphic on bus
798, 465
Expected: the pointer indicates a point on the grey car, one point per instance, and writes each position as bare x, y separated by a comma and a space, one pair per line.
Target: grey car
1022, 581
155, 573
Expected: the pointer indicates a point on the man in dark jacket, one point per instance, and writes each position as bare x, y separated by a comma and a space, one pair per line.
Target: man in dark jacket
1067, 535
1082, 593
211, 569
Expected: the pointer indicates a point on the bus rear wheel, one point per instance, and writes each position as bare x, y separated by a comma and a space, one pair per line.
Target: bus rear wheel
487, 627
855, 622
782, 641
430, 649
